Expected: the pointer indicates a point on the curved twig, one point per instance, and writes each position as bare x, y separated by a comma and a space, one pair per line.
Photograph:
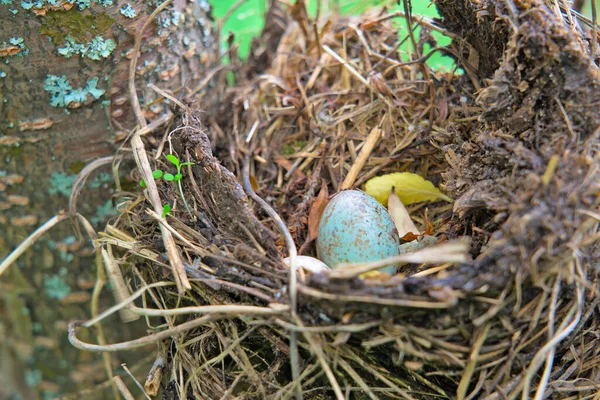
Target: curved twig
141, 159
293, 279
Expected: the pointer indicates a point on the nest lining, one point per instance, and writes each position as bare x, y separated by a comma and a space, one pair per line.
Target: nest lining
519, 319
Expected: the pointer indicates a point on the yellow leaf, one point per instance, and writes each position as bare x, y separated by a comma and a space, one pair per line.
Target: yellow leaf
410, 188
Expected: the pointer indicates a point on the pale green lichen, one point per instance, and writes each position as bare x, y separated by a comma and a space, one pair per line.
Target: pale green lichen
55, 287
61, 183
128, 11
101, 48
83, 4
6, 2
97, 49
59, 87
17, 41
62, 93
33, 377
64, 255
100, 180
93, 90
103, 212
28, 4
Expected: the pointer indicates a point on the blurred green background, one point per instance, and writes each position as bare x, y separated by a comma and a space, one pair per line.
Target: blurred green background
247, 21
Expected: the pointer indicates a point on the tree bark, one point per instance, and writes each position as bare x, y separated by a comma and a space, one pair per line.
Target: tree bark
65, 101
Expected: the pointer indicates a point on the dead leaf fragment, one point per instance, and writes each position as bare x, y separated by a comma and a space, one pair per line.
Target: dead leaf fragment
314, 216
316, 210
400, 215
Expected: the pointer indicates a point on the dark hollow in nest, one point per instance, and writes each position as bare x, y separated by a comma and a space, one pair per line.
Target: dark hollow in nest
514, 140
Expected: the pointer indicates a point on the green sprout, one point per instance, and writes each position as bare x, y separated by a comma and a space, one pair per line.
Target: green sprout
177, 177
166, 210
157, 174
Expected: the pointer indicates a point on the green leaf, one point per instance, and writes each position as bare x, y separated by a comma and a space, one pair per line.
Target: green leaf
166, 210
188, 163
173, 159
157, 174
177, 177
410, 188
168, 177
143, 183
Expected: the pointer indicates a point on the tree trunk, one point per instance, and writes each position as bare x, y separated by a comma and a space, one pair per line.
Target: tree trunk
65, 101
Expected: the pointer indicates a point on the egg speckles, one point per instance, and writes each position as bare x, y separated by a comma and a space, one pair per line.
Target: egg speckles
356, 228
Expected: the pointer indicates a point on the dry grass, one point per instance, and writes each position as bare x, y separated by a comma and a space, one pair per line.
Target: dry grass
336, 104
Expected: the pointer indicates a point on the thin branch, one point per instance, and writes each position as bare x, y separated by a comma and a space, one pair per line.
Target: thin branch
30, 240
293, 280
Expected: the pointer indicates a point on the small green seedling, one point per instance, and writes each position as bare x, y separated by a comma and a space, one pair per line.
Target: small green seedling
157, 174
178, 164
177, 177
166, 210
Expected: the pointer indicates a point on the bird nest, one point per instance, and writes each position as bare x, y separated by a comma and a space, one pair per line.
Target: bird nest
513, 139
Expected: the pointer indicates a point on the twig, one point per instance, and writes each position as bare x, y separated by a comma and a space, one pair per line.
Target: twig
135, 102
117, 281
594, 30
318, 350
361, 160
144, 341
343, 298
169, 97
539, 394
448, 252
333, 328
155, 375
141, 158
122, 388
31, 239
357, 378
95, 301
80, 181
349, 67
137, 383
293, 280
275, 309
465, 381
575, 314
233, 345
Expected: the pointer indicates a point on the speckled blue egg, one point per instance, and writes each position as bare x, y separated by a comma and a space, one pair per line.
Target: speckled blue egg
356, 228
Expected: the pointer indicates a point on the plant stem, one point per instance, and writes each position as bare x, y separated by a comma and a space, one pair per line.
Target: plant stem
187, 207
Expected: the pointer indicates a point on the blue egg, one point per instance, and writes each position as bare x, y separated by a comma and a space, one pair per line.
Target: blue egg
356, 228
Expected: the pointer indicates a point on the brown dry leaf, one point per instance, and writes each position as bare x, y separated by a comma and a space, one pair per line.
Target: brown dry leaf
314, 216
410, 236
428, 226
254, 183
316, 210
346, 318
400, 215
